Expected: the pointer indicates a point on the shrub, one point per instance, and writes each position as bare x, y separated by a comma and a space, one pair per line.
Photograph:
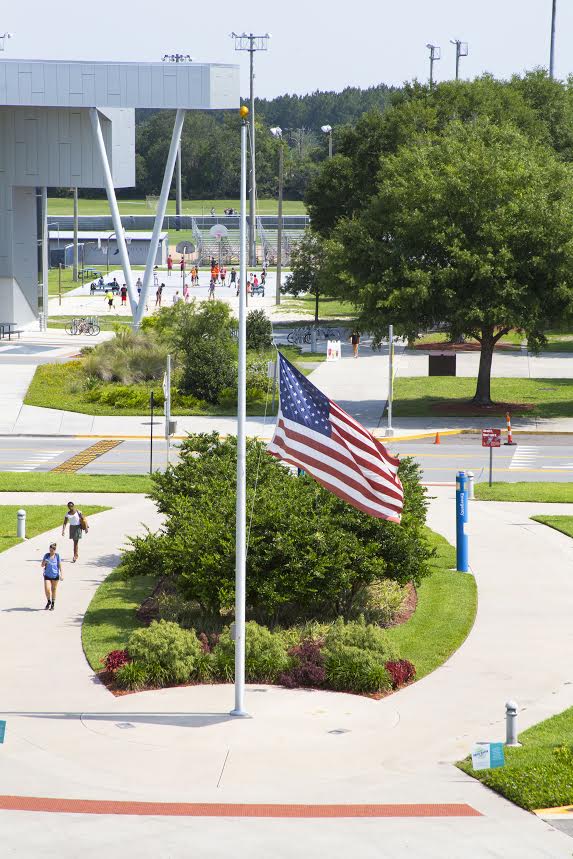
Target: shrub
259, 330
401, 671
361, 635
265, 655
115, 659
131, 676
130, 357
350, 669
168, 653
380, 601
307, 665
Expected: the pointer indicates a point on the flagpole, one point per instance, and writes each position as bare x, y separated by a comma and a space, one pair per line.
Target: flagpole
240, 532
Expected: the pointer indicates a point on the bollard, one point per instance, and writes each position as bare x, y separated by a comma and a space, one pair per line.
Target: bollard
511, 724
21, 524
510, 440
462, 562
471, 481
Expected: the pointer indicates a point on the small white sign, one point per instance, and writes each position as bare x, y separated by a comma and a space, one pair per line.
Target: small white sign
333, 350
487, 756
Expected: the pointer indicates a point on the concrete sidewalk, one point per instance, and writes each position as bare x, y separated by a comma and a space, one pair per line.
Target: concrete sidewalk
68, 737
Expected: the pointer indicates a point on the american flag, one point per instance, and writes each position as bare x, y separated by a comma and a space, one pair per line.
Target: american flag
316, 435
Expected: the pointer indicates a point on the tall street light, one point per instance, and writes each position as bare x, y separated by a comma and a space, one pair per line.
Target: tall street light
552, 44
177, 58
327, 129
278, 134
461, 51
251, 43
435, 55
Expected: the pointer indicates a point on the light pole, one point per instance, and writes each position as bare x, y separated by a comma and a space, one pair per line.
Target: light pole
552, 44
3, 37
327, 129
278, 133
177, 58
251, 43
435, 55
461, 51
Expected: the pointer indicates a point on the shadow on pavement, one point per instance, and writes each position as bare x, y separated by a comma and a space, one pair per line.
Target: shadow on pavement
174, 720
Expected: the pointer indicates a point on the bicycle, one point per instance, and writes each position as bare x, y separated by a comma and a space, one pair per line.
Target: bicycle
83, 326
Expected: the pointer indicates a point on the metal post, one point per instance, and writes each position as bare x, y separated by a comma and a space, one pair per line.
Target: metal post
178, 203
280, 226
389, 429
490, 464
462, 563
471, 485
240, 536
76, 221
253, 190
114, 209
167, 409
21, 524
151, 405
552, 45
330, 144
45, 257
511, 739
59, 284
158, 223
457, 61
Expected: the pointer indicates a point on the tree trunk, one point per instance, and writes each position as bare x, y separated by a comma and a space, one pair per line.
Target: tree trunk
316, 308
483, 394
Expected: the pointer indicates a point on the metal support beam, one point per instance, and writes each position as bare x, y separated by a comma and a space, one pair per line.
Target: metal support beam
45, 256
112, 200
75, 260
161, 207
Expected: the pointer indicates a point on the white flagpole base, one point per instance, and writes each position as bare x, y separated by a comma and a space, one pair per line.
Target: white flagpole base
240, 714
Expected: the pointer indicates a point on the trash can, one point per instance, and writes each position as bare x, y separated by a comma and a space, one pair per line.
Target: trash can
442, 364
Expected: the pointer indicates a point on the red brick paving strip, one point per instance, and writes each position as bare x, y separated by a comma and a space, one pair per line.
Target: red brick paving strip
216, 809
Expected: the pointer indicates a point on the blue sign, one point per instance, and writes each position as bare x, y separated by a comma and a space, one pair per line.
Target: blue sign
487, 756
2, 731
496, 757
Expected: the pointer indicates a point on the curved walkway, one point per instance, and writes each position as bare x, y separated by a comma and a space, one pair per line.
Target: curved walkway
67, 737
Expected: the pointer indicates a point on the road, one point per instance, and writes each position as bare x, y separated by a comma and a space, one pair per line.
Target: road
532, 458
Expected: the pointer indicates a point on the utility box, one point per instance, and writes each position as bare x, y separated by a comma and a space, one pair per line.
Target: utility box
443, 364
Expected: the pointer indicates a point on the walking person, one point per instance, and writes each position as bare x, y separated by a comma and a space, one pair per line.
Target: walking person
186, 293
176, 298
158, 295
109, 299
52, 567
212, 288
233, 276
138, 284
123, 292
169, 265
78, 524
355, 340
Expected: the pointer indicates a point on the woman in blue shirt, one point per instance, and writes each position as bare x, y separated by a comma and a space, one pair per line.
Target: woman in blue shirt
52, 567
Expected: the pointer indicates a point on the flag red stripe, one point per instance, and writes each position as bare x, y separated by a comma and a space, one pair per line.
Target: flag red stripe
309, 462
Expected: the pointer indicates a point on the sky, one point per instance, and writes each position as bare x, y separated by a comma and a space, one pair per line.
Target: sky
314, 44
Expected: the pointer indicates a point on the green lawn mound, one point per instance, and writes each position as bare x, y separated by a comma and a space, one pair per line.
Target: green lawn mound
559, 523
557, 493
444, 615
540, 773
41, 481
39, 518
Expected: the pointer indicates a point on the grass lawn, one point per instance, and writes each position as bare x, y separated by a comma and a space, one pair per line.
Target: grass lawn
110, 618
514, 338
560, 523
327, 307
39, 518
447, 604
15, 481
523, 491
68, 379
444, 395
106, 323
537, 775
64, 206
445, 613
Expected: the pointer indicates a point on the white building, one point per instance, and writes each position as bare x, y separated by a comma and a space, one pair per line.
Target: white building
71, 124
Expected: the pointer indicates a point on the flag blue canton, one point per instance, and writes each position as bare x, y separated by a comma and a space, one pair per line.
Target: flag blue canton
302, 402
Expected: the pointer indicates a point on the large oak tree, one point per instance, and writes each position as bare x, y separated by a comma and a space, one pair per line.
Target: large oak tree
471, 227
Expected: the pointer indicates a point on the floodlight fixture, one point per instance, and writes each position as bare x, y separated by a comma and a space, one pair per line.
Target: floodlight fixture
435, 55
461, 51
326, 128
250, 42
277, 132
177, 58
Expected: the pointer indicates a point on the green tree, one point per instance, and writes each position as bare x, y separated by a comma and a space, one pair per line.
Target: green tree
310, 554
473, 228
309, 272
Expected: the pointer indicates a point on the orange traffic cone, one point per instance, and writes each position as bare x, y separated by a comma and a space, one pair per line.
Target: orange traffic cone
437, 441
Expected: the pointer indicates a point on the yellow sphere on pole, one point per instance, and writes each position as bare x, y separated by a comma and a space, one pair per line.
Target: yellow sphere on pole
243, 111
